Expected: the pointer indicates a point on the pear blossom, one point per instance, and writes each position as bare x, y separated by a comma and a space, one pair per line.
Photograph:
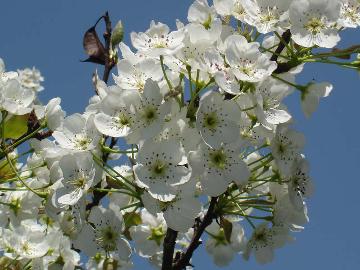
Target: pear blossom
201, 12
78, 173
285, 148
28, 240
299, 183
349, 13
158, 40
264, 241
78, 133
118, 113
31, 79
106, 234
134, 76
150, 235
290, 217
52, 113
313, 22
246, 61
266, 16
158, 169
15, 99
218, 167
216, 119
180, 213
221, 249
310, 96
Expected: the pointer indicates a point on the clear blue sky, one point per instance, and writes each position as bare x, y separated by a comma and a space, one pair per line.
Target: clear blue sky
48, 35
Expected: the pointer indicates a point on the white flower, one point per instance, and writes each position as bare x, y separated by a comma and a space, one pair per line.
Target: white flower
201, 12
285, 148
149, 236
158, 169
118, 112
77, 133
219, 247
224, 78
311, 95
269, 110
218, 167
52, 112
264, 240
78, 176
31, 79
313, 22
180, 213
129, 114
132, 76
246, 61
288, 216
216, 119
105, 235
299, 183
224, 7
20, 205
28, 240
157, 40
266, 16
15, 99
350, 13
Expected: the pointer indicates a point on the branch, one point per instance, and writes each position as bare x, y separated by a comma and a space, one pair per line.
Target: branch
195, 242
286, 36
169, 247
109, 63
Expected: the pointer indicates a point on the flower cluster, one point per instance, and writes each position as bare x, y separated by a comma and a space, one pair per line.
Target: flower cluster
192, 140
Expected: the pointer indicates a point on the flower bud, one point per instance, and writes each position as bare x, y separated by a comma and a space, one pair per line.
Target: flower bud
117, 34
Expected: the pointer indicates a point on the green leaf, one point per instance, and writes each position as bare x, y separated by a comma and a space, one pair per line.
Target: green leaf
16, 126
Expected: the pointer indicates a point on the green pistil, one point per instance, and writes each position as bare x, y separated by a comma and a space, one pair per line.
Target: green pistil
157, 235
123, 120
210, 120
159, 168
149, 114
218, 159
207, 23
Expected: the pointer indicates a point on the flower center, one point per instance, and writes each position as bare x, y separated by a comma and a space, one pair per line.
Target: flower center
159, 168
218, 159
157, 235
107, 238
211, 121
149, 114
81, 141
314, 25
123, 120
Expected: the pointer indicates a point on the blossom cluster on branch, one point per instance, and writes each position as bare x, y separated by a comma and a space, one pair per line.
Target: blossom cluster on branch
192, 142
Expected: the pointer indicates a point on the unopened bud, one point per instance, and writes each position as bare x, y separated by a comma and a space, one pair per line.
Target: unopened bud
117, 34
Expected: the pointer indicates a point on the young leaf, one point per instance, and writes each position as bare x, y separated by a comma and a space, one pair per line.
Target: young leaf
16, 126
93, 47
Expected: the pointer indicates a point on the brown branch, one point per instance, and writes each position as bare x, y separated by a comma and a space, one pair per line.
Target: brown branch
195, 242
109, 64
169, 247
286, 36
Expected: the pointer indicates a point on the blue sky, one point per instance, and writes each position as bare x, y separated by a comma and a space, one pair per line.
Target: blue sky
48, 35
